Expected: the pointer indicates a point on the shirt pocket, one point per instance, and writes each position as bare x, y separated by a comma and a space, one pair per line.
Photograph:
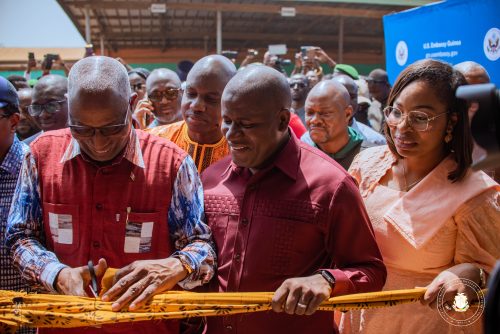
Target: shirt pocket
62, 224
139, 235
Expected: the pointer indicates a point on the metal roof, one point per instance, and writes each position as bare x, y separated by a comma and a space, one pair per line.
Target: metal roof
245, 24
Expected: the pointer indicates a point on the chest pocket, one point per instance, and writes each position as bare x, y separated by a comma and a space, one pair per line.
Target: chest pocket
297, 231
62, 227
139, 233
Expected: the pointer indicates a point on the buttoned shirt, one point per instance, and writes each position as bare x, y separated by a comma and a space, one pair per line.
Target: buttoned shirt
301, 214
146, 204
10, 279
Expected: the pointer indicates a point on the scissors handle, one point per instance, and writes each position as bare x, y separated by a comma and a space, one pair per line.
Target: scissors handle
93, 277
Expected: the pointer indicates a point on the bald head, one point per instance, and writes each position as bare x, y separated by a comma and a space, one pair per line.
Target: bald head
265, 86
213, 65
162, 75
473, 72
99, 78
379, 74
332, 90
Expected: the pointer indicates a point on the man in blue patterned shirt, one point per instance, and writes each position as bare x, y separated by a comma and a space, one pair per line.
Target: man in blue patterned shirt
12, 152
105, 192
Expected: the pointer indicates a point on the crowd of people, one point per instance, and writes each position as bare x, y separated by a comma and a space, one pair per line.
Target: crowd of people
320, 184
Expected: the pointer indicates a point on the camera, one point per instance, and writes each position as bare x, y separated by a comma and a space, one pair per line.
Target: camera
485, 124
230, 54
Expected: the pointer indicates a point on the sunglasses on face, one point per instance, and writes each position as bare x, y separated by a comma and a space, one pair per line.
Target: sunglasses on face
169, 94
52, 107
295, 85
89, 131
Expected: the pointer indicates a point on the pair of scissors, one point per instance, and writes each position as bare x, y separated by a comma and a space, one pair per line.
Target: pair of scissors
93, 278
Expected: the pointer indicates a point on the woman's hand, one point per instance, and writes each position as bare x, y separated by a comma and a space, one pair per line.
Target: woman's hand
451, 278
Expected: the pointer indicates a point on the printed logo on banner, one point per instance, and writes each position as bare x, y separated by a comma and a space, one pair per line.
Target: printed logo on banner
491, 44
401, 53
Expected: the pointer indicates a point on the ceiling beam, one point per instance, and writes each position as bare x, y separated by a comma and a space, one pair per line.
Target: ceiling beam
245, 36
240, 7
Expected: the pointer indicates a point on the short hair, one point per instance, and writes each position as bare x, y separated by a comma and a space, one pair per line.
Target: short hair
98, 75
140, 71
445, 80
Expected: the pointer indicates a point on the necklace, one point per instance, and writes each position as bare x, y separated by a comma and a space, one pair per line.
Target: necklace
413, 184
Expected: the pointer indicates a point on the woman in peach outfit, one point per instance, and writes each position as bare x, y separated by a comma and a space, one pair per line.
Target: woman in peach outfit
436, 221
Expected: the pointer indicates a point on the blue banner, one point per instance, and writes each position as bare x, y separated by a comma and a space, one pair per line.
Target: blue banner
452, 31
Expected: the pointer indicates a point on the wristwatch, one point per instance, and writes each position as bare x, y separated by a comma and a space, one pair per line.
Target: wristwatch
328, 277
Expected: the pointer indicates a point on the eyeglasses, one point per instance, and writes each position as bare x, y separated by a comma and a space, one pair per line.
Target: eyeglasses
169, 94
295, 85
52, 107
5, 116
418, 120
88, 131
137, 87
373, 81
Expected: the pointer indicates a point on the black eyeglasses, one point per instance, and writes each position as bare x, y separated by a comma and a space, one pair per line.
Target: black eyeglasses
89, 131
52, 107
169, 94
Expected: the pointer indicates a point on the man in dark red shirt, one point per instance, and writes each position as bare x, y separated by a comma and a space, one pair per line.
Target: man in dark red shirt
284, 216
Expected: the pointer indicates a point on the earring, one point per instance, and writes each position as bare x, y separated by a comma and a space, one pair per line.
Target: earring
448, 136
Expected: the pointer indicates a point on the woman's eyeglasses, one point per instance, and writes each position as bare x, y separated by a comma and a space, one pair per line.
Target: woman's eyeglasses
418, 120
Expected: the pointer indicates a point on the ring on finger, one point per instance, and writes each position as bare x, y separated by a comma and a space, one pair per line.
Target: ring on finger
301, 305
123, 283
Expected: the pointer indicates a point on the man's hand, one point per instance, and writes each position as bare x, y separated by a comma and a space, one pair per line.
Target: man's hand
141, 280
73, 281
301, 295
144, 108
465, 270
323, 58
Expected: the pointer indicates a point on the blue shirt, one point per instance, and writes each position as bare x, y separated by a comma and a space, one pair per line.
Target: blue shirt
10, 279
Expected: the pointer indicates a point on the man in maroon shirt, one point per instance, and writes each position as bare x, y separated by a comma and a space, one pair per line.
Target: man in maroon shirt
285, 217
